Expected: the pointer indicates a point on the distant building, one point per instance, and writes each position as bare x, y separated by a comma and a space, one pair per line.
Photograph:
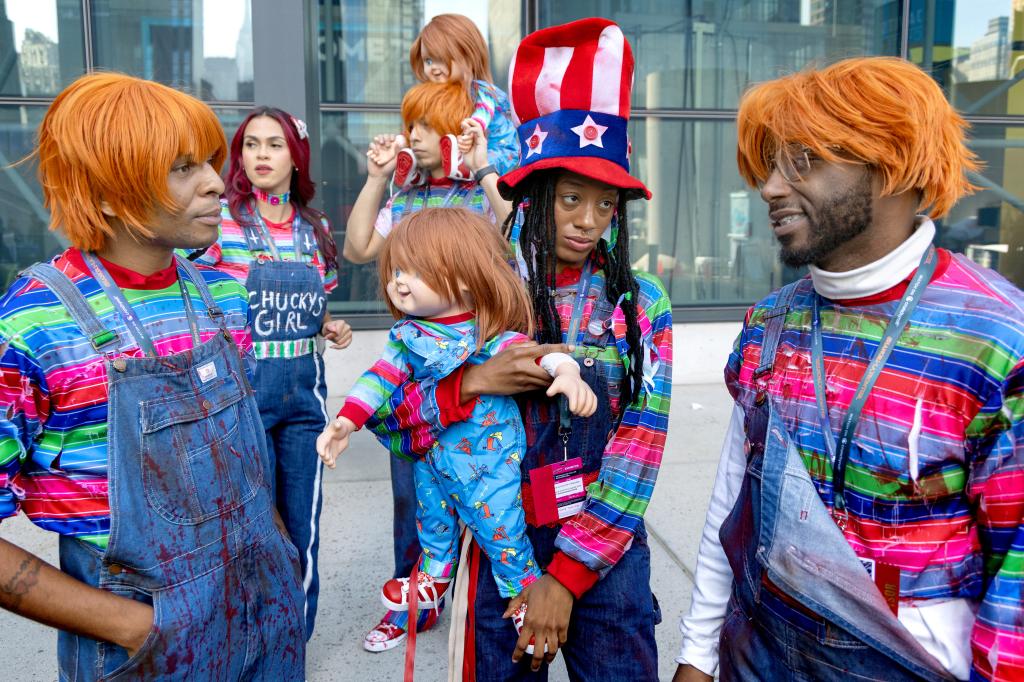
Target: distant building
40, 64
990, 54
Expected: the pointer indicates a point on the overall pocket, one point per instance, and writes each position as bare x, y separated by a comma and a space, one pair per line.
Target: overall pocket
195, 463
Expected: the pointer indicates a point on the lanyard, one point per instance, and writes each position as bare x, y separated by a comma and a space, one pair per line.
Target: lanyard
268, 240
131, 320
839, 451
564, 418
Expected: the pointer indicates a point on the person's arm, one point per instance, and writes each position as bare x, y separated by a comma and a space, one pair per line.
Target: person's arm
995, 449
30, 587
362, 241
338, 332
713, 577
36, 590
473, 144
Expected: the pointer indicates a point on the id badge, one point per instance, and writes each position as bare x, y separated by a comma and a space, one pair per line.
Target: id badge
887, 579
557, 490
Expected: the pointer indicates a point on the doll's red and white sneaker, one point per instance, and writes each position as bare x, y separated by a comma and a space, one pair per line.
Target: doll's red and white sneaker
407, 173
518, 618
395, 593
385, 635
452, 163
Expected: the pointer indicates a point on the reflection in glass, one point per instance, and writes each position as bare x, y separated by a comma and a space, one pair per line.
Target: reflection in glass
40, 52
364, 44
204, 48
989, 226
346, 137
975, 50
703, 54
24, 234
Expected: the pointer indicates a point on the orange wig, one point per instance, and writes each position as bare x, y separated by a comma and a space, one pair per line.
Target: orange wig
460, 255
883, 111
442, 106
452, 38
113, 138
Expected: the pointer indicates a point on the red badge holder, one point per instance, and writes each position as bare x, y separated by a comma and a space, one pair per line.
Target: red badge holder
558, 490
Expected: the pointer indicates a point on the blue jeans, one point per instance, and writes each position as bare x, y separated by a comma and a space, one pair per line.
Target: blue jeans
290, 393
611, 631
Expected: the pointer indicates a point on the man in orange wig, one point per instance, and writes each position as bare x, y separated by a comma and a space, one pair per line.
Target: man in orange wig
429, 112
127, 425
866, 521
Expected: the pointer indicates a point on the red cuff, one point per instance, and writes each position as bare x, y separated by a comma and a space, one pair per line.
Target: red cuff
573, 575
354, 413
447, 394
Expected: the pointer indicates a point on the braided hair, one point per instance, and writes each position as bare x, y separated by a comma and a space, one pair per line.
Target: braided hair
536, 196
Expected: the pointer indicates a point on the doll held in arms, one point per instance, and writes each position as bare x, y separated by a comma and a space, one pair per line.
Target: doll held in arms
448, 283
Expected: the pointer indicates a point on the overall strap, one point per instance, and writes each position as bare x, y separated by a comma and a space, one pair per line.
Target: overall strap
103, 340
189, 269
774, 323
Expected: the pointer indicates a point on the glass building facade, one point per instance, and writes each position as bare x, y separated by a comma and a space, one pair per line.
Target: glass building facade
343, 66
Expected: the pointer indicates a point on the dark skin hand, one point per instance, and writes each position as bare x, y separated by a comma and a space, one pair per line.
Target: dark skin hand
687, 673
513, 370
547, 619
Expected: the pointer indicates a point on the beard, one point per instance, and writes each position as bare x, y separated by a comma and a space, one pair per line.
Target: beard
840, 220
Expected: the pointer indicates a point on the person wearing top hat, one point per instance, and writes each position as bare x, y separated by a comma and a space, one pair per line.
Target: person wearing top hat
570, 91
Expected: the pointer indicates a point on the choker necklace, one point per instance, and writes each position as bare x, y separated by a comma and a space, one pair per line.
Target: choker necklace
268, 198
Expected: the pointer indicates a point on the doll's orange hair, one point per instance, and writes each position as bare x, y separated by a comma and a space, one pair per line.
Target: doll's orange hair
114, 138
453, 38
883, 111
461, 256
442, 106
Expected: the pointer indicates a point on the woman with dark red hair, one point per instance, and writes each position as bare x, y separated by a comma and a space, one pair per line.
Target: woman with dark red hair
281, 248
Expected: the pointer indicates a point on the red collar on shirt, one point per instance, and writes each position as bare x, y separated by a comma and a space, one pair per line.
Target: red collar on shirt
896, 293
125, 278
454, 319
287, 222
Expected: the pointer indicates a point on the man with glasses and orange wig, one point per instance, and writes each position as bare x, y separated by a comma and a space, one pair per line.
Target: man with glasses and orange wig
128, 424
866, 521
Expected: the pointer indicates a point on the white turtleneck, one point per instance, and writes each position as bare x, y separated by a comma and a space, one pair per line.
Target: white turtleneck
943, 629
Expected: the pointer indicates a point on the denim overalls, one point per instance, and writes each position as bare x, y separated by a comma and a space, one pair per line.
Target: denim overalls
287, 304
191, 527
803, 607
611, 630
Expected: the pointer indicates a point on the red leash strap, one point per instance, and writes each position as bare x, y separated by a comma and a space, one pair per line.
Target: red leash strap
469, 655
410, 644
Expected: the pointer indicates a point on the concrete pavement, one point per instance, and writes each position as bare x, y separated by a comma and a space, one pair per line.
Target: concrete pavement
355, 555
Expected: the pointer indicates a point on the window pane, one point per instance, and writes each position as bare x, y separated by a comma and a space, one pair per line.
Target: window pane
703, 54
40, 47
204, 48
346, 137
989, 226
976, 51
364, 53
24, 237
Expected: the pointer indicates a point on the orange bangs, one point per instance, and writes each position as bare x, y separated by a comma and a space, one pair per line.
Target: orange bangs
881, 110
452, 38
441, 105
111, 137
460, 255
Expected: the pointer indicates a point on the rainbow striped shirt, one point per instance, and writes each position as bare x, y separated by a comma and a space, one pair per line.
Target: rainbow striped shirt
436, 194
231, 253
935, 480
53, 388
600, 533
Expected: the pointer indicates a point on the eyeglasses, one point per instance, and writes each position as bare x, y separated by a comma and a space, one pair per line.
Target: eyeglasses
794, 162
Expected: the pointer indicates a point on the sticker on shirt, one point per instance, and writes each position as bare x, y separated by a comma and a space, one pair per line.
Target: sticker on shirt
887, 579
207, 372
557, 490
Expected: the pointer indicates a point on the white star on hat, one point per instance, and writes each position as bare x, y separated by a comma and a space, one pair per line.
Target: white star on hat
590, 133
535, 143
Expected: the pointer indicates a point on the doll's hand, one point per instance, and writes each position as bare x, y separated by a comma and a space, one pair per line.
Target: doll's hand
473, 144
568, 382
382, 155
338, 332
334, 440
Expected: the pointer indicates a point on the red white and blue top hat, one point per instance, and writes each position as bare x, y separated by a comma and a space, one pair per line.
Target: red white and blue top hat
570, 88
